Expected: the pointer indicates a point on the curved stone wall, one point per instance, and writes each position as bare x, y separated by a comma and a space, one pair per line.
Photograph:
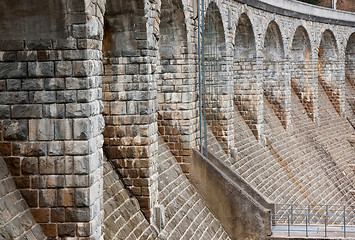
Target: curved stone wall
102, 78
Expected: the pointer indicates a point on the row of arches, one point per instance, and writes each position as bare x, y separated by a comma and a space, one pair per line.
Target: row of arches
150, 81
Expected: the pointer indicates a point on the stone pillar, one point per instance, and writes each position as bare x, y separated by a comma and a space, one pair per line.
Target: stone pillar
50, 117
129, 96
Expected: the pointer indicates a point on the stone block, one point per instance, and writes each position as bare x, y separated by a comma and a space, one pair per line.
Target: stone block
63, 129
26, 111
8, 45
56, 148
27, 56
77, 180
66, 230
41, 69
78, 110
66, 96
32, 84
50, 230
31, 197
82, 197
13, 164
41, 129
15, 130
81, 165
4, 112
63, 69
66, 198
53, 111
34, 149
52, 165
83, 68
42, 97
54, 84
48, 198
29, 166
77, 83
58, 215
13, 97
77, 214
13, 84
38, 44
41, 215
82, 128
13, 70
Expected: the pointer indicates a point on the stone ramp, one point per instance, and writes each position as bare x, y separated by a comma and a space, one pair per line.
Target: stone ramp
16, 220
186, 214
123, 218
310, 164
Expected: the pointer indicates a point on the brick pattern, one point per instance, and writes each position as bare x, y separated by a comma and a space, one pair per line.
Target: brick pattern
328, 67
16, 221
218, 80
275, 73
129, 97
314, 174
350, 78
123, 216
186, 214
51, 123
177, 118
302, 72
247, 82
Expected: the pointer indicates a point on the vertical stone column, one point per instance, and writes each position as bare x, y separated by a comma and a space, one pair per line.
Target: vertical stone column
130, 94
51, 122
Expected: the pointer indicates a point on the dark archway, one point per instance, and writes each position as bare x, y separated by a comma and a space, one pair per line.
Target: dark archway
175, 83
246, 90
127, 97
215, 68
327, 68
350, 73
301, 70
273, 68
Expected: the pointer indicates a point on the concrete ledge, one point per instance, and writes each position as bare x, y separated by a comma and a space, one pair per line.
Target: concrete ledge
305, 11
243, 212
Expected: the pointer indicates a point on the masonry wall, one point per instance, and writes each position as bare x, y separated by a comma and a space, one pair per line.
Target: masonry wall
50, 108
72, 70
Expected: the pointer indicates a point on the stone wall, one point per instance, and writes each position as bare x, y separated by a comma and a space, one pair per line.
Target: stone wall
113, 72
16, 221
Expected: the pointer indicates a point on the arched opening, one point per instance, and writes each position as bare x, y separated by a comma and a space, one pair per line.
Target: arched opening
350, 74
327, 68
301, 70
273, 69
246, 85
215, 68
175, 83
128, 97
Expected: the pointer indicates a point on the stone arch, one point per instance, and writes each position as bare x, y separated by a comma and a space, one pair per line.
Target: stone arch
328, 69
273, 72
217, 97
175, 83
246, 84
350, 71
302, 70
129, 98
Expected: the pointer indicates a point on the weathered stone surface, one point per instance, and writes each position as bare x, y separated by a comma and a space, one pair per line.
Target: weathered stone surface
13, 70
16, 219
15, 130
41, 69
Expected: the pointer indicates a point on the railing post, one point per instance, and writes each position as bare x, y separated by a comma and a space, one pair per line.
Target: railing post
309, 212
306, 225
291, 214
288, 224
326, 220
344, 223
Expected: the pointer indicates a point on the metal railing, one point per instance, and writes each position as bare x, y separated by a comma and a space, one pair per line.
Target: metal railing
311, 219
